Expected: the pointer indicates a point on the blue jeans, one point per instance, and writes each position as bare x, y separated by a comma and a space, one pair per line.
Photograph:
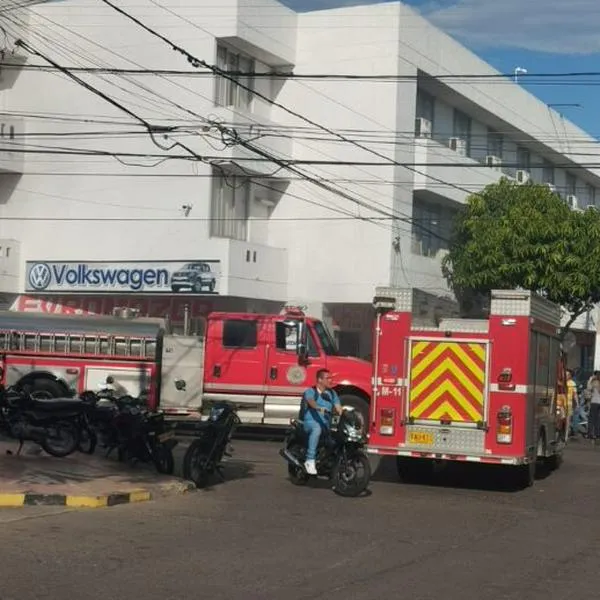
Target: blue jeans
314, 430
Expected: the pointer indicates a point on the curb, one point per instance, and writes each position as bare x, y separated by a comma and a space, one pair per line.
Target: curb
21, 500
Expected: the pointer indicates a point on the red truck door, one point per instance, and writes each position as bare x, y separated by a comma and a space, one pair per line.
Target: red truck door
235, 362
286, 378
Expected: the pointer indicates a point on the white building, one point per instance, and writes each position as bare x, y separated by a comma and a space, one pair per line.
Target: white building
398, 156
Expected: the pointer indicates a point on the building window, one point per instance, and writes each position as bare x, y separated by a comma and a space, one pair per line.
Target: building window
229, 206
462, 131
495, 143
425, 106
429, 229
239, 333
571, 185
228, 92
590, 193
523, 159
547, 172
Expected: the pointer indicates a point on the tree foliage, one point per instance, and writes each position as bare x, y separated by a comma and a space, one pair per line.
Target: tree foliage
514, 236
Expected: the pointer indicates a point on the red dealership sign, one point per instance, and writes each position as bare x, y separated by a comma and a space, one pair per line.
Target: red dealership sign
149, 306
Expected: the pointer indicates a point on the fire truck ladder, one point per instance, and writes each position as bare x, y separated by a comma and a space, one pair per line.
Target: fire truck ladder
69, 344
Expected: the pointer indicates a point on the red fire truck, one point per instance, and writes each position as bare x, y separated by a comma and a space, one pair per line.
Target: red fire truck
480, 390
262, 362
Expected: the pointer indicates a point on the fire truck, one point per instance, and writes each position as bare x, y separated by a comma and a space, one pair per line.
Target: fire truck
482, 390
262, 362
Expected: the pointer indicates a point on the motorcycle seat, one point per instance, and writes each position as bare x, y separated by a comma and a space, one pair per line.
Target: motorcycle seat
56, 404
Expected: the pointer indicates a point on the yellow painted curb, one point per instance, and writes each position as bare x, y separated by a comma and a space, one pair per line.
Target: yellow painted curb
12, 500
86, 501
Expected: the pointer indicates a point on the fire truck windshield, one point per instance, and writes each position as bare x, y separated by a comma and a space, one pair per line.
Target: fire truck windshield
326, 339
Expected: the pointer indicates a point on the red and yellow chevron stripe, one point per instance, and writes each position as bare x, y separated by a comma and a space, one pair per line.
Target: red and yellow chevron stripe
447, 381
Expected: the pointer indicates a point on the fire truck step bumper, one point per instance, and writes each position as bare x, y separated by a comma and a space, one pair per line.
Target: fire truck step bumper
496, 460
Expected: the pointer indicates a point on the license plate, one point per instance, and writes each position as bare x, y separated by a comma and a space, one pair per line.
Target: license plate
418, 437
167, 435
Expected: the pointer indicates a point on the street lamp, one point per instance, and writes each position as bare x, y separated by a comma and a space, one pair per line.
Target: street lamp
519, 71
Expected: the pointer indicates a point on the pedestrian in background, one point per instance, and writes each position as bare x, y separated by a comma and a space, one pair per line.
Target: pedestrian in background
594, 416
571, 397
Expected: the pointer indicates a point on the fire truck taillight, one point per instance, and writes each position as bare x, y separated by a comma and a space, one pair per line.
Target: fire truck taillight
504, 426
386, 421
505, 380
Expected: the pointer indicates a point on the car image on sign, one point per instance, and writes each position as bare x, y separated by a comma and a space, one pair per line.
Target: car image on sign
196, 276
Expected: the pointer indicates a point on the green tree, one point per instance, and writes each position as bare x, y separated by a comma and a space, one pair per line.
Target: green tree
514, 236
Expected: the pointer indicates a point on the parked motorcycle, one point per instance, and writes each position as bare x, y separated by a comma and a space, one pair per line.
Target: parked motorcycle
144, 436
97, 422
340, 455
205, 454
51, 423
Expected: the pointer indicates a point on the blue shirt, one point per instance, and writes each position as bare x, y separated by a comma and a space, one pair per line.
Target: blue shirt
326, 400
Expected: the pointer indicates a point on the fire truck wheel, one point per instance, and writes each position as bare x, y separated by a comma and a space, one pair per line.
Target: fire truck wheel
526, 474
46, 388
357, 403
555, 461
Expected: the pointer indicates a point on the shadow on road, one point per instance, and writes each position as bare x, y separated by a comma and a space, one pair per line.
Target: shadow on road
459, 475
233, 470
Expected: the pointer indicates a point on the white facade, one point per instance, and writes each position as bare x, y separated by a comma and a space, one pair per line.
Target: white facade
279, 237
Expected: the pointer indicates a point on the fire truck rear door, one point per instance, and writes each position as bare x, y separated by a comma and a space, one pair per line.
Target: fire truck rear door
447, 381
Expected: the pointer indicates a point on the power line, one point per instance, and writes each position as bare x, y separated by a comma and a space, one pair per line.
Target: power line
169, 101
224, 130
196, 62
284, 163
509, 77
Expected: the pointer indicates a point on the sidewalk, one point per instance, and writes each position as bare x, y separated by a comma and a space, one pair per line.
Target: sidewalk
79, 480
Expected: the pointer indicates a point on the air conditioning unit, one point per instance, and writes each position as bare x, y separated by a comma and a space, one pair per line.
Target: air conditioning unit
551, 187
572, 201
423, 128
493, 161
459, 145
523, 176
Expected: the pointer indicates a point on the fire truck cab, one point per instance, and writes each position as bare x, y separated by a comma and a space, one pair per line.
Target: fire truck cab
479, 390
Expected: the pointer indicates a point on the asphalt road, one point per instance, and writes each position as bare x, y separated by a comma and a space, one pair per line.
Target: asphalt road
257, 536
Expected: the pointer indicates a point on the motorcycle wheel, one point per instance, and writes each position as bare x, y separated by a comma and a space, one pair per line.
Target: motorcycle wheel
347, 480
195, 464
163, 459
88, 441
64, 441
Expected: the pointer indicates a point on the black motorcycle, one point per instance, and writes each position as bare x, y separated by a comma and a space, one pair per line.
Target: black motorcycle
51, 423
97, 422
205, 454
340, 455
144, 436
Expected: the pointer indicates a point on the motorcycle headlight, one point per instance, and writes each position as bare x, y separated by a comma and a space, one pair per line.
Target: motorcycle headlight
215, 413
353, 433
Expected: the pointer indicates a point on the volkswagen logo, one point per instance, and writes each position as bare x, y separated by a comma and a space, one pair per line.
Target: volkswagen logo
40, 276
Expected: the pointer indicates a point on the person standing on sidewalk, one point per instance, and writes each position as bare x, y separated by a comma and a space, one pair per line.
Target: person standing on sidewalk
571, 400
594, 416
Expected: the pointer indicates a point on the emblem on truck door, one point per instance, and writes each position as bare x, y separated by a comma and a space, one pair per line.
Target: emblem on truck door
296, 375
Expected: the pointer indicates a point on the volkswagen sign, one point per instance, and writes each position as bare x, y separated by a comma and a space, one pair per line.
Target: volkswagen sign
200, 276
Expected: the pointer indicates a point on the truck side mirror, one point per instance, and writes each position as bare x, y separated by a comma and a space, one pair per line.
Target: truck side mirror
302, 347
301, 338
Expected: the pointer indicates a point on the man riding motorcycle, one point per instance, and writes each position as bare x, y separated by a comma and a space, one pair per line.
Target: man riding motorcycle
318, 402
